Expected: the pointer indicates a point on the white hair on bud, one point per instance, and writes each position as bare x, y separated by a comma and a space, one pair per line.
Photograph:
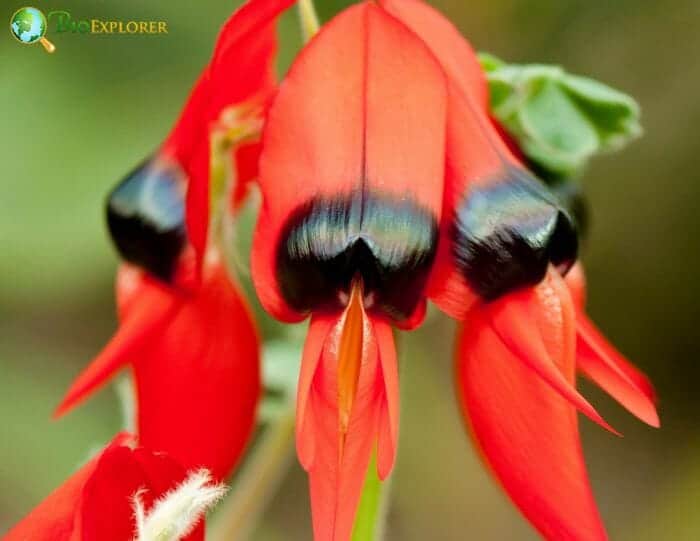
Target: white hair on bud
175, 514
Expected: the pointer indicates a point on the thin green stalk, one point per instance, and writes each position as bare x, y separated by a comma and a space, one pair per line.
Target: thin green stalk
371, 513
258, 482
308, 19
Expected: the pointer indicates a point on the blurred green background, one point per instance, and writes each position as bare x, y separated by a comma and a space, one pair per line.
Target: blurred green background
74, 122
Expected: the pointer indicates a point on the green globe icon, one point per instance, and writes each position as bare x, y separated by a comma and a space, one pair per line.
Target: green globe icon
28, 25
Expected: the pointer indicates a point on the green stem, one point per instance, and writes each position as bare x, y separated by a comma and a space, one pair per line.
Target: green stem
371, 513
308, 18
258, 482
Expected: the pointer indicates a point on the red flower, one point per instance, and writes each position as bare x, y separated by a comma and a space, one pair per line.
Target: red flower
504, 244
97, 502
355, 199
185, 327
351, 175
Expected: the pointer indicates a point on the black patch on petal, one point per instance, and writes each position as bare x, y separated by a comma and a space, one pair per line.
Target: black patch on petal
389, 242
572, 198
146, 217
507, 231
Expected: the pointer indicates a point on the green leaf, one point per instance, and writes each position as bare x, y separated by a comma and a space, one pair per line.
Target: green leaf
559, 120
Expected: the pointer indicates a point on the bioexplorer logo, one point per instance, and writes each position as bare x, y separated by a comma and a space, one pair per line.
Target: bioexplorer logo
29, 25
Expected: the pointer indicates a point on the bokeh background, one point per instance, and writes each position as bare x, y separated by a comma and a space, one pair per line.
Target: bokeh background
75, 122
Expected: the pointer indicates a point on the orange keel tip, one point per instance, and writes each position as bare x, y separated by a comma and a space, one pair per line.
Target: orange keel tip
347, 406
147, 316
350, 355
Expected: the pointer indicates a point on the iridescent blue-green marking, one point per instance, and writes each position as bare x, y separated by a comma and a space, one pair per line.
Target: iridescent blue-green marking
508, 230
146, 217
389, 242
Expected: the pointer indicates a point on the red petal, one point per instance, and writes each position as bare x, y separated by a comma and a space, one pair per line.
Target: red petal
514, 320
246, 158
149, 317
446, 42
189, 128
351, 117
106, 510
594, 359
306, 429
336, 474
241, 69
198, 384
600, 361
389, 413
526, 431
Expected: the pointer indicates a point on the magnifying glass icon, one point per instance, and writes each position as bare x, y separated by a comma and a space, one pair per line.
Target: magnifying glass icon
28, 25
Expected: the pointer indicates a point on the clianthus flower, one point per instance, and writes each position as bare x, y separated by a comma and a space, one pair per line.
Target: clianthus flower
124, 493
385, 182
184, 326
351, 175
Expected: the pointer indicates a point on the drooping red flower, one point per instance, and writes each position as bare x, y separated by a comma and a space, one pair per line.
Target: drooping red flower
505, 242
527, 431
351, 175
97, 502
184, 327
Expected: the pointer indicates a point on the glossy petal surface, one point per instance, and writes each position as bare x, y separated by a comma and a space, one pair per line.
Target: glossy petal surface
356, 132
527, 432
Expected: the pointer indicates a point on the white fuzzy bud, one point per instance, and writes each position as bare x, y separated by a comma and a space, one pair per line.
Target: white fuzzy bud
175, 514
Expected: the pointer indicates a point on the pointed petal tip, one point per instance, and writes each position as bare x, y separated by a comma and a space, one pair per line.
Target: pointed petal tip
63, 407
528, 436
388, 427
517, 329
149, 314
602, 364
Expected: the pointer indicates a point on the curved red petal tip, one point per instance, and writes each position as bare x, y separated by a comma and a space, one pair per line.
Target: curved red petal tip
151, 307
518, 322
601, 363
335, 437
198, 383
604, 364
527, 434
